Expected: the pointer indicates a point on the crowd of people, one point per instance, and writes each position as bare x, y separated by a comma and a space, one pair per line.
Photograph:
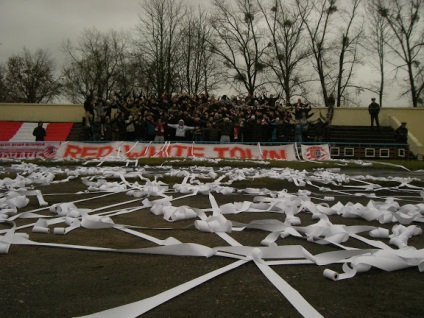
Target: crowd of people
200, 118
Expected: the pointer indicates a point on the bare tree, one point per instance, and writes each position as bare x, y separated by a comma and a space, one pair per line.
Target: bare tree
351, 35
335, 47
161, 22
240, 42
289, 52
317, 16
199, 69
3, 89
95, 64
376, 39
403, 18
29, 77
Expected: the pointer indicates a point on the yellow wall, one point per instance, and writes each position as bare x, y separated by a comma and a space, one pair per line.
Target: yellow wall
360, 117
43, 112
351, 116
389, 116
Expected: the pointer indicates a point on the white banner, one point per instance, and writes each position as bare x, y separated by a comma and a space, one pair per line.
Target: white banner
316, 152
28, 150
134, 150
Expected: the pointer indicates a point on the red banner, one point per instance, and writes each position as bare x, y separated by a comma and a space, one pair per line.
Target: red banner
179, 150
133, 150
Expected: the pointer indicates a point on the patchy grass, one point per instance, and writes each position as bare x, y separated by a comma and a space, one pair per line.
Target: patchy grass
55, 282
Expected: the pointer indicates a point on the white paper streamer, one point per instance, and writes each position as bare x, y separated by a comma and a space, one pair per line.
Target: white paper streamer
383, 209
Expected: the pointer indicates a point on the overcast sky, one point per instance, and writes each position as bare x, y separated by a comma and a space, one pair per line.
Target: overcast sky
45, 24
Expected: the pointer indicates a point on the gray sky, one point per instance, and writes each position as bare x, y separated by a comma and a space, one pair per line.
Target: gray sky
45, 24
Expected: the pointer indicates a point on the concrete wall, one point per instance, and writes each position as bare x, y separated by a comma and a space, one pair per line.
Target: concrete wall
350, 116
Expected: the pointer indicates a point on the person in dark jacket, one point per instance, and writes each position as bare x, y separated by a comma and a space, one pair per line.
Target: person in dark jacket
89, 104
402, 134
374, 110
39, 132
96, 128
320, 129
212, 132
226, 128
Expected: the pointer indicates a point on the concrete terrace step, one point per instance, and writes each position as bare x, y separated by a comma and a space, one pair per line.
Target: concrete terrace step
362, 134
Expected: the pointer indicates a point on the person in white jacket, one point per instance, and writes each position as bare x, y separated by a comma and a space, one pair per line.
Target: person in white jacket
180, 130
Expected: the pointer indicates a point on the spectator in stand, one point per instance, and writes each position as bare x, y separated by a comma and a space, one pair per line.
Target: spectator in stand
226, 128
150, 128
286, 128
277, 128
87, 124
257, 129
160, 131
97, 129
301, 110
121, 125
212, 132
236, 135
107, 108
374, 110
108, 129
39, 132
402, 134
98, 108
248, 127
298, 131
305, 128
320, 127
268, 119
89, 104
198, 132
180, 130
140, 131
130, 129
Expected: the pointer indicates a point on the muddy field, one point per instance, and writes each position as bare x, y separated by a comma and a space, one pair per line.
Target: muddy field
53, 281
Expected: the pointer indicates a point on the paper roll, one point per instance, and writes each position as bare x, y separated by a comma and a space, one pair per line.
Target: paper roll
328, 273
59, 231
4, 248
40, 226
380, 233
40, 229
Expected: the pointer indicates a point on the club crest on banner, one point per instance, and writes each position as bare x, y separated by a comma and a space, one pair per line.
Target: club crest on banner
50, 151
315, 152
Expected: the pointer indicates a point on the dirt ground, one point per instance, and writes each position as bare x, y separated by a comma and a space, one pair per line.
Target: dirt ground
57, 282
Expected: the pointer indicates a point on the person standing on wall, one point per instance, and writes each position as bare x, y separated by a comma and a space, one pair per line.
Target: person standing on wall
374, 110
39, 132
